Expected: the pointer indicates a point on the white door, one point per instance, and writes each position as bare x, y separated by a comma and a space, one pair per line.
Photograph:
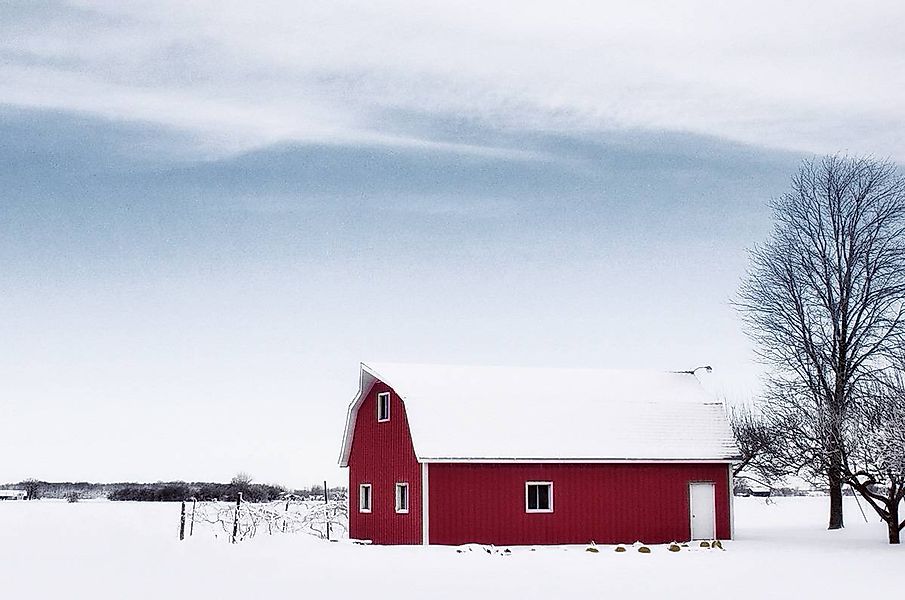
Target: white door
703, 511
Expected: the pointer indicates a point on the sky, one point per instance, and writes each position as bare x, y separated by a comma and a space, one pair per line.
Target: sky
211, 212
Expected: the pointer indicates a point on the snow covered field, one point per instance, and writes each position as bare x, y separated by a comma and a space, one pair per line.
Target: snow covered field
102, 550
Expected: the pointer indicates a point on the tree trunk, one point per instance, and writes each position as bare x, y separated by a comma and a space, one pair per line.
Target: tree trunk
893, 523
835, 481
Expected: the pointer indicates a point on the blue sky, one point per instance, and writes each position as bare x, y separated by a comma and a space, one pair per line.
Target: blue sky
209, 215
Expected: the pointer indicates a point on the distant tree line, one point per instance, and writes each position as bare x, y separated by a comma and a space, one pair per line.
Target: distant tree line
177, 491
170, 491
37, 489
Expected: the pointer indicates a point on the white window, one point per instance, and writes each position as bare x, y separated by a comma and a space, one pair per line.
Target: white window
402, 497
538, 496
383, 406
364, 498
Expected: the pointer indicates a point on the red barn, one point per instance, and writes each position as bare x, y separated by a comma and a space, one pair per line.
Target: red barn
505, 456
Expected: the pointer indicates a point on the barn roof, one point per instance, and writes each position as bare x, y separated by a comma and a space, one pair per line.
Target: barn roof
491, 414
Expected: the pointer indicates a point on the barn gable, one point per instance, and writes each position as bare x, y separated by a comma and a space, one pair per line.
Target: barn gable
380, 458
500, 414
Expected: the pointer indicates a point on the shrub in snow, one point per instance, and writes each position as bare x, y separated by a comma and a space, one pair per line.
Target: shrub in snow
620, 548
674, 547
591, 549
644, 550
705, 544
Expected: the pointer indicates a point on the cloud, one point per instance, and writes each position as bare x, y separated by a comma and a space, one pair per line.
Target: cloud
243, 75
108, 191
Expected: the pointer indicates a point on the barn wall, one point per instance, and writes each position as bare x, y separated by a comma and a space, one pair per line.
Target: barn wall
606, 503
382, 455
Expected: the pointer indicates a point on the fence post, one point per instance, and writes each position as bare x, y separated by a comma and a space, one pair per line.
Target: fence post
286, 516
326, 510
182, 522
192, 524
236, 521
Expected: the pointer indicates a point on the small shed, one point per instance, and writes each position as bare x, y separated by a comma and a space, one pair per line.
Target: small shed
507, 456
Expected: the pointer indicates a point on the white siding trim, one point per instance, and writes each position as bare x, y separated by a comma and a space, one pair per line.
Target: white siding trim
731, 503
618, 461
425, 506
365, 381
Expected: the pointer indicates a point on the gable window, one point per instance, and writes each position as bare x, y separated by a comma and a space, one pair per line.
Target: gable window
383, 406
402, 497
538, 496
364, 498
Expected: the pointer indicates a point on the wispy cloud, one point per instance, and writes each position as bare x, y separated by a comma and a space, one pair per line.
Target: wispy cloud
243, 75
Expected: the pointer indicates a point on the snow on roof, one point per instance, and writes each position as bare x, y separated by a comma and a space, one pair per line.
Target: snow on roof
514, 413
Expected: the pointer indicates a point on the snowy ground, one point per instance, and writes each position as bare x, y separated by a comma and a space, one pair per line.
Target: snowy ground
102, 550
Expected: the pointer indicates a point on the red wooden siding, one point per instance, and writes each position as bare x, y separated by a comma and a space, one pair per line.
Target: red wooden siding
606, 503
382, 455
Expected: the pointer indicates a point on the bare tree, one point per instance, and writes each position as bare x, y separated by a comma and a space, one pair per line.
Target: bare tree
823, 301
799, 433
33, 488
875, 453
755, 438
242, 484
242, 480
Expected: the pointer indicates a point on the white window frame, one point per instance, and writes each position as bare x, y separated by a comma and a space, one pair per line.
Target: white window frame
361, 488
528, 484
408, 500
380, 397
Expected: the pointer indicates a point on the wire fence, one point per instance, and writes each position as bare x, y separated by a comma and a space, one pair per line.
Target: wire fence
241, 521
